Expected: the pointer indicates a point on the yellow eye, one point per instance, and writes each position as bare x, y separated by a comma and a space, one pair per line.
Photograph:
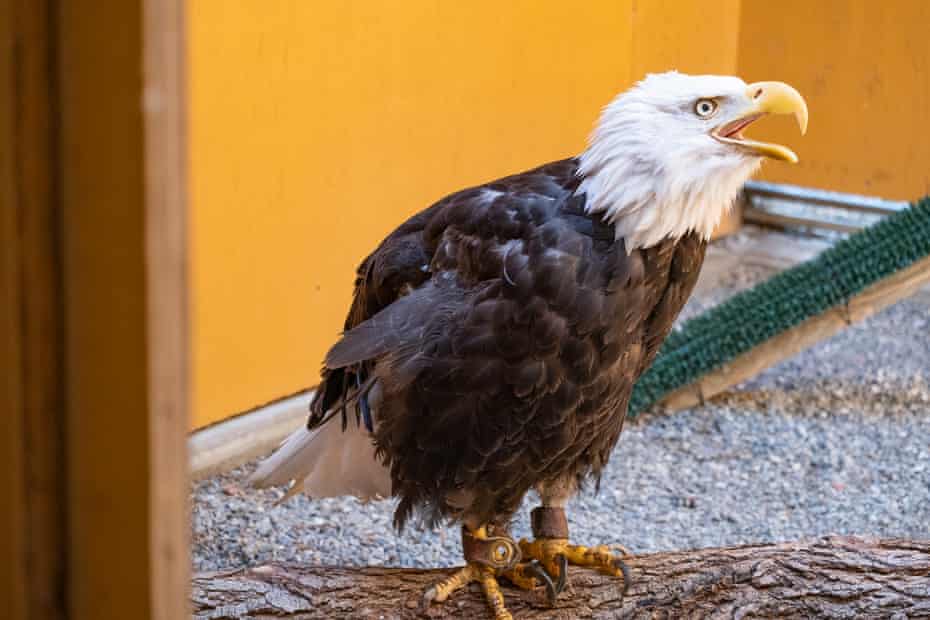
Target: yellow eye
705, 108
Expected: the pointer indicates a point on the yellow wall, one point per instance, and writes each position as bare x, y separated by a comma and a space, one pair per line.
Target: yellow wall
864, 68
316, 127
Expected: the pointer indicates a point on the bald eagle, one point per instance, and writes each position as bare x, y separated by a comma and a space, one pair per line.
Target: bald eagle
494, 338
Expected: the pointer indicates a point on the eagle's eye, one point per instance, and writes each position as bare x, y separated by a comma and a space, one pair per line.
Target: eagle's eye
705, 108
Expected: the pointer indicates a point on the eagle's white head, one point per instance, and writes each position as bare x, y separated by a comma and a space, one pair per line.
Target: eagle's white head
668, 157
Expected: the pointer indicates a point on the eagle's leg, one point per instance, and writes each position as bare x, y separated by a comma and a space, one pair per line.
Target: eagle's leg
552, 549
487, 557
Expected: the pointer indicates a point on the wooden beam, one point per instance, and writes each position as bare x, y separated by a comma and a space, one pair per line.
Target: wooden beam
93, 322
124, 216
832, 577
32, 323
165, 121
13, 519
880, 295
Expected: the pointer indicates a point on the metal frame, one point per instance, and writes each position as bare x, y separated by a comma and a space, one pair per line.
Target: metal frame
758, 193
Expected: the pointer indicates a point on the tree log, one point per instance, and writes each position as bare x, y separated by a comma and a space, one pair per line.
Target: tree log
832, 577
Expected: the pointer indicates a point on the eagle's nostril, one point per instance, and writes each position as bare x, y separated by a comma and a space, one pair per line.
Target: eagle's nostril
757, 94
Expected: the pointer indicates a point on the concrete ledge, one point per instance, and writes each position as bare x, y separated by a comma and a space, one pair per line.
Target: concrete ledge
232, 442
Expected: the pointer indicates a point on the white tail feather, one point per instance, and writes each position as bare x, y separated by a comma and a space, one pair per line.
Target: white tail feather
326, 462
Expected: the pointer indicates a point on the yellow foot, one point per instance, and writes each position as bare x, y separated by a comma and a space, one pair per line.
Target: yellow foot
485, 575
487, 557
555, 554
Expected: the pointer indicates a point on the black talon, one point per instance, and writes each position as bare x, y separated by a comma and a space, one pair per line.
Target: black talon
536, 569
618, 563
563, 573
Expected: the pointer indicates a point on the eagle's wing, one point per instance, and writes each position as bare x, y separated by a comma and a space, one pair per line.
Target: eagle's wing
400, 265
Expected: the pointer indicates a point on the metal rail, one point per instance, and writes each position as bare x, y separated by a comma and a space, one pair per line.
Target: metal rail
758, 193
810, 196
755, 215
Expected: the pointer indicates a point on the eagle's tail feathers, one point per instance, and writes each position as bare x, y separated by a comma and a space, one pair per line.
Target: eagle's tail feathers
326, 462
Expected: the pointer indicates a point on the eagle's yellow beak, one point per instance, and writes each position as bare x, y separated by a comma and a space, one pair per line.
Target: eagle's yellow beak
766, 98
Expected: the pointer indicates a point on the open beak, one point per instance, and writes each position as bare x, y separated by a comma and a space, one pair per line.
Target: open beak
766, 98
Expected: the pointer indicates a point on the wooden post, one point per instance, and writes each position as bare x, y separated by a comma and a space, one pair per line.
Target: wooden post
33, 522
165, 121
123, 161
13, 596
93, 318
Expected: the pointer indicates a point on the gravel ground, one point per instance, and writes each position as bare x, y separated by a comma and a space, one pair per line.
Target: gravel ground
836, 440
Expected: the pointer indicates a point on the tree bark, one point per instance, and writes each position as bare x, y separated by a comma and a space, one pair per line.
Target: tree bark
833, 577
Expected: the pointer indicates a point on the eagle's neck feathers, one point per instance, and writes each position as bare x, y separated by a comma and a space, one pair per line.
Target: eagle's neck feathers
653, 186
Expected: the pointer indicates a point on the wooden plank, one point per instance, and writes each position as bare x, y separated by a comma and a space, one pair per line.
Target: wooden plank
899, 285
43, 349
783, 346
168, 321
33, 287
124, 211
106, 342
13, 518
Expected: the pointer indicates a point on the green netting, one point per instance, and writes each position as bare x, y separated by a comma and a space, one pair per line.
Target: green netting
753, 316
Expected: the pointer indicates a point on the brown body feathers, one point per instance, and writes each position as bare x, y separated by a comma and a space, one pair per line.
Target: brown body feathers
496, 337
